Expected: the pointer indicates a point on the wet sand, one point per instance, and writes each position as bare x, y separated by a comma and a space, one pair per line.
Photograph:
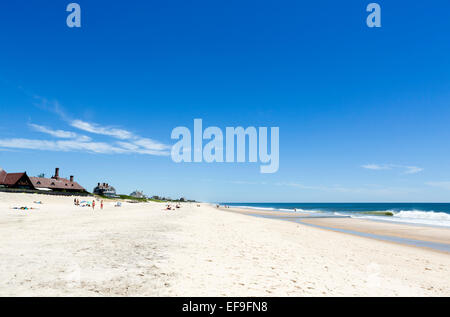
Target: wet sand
380, 228
423, 233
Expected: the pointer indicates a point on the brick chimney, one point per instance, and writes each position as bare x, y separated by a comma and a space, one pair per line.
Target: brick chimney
71, 178
56, 173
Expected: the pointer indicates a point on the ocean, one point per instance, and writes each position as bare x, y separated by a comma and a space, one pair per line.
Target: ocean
434, 214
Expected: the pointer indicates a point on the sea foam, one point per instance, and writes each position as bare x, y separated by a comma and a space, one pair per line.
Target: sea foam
417, 217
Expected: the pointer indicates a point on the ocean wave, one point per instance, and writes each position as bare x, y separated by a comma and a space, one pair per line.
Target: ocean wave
418, 217
422, 214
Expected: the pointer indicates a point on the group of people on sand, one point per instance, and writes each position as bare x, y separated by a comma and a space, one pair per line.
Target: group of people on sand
28, 208
76, 202
169, 207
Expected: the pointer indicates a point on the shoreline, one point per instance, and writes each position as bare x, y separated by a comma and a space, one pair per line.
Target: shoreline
432, 237
386, 216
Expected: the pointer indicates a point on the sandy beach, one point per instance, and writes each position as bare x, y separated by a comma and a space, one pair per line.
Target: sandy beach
140, 249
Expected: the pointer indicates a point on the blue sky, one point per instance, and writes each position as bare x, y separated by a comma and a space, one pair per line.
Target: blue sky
363, 113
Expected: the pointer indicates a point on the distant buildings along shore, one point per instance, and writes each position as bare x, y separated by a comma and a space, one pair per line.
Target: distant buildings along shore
104, 189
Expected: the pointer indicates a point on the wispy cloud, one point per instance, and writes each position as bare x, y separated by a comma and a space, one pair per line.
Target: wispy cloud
49, 105
72, 146
128, 146
69, 145
150, 144
128, 139
122, 142
406, 169
376, 167
129, 143
238, 182
444, 185
97, 129
368, 189
413, 169
62, 134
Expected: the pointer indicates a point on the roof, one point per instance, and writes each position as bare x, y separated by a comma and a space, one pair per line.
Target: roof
105, 187
2, 175
12, 178
52, 183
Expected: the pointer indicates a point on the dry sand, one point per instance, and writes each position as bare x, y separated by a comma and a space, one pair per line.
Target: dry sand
141, 250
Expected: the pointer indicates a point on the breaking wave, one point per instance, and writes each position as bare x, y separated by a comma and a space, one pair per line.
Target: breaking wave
422, 215
417, 217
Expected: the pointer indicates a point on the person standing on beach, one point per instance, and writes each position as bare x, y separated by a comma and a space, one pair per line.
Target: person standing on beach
101, 204
93, 204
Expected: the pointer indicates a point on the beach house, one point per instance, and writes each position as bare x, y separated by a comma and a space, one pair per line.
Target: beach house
104, 189
55, 183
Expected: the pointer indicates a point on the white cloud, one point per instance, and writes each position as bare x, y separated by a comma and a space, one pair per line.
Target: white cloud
376, 167
133, 147
413, 169
152, 152
56, 133
407, 169
83, 138
367, 190
62, 134
444, 185
150, 144
69, 145
73, 146
97, 129
128, 146
130, 143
